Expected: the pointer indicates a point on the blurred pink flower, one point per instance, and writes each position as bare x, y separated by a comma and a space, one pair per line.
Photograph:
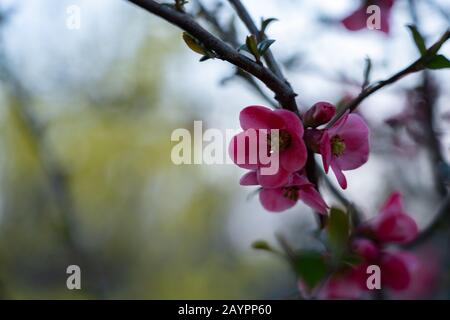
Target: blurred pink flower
358, 19
319, 114
424, 270
290, 146
345, 146
393, 224
298, 188
349, 284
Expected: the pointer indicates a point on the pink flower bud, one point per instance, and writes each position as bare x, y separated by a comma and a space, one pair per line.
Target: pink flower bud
319, 114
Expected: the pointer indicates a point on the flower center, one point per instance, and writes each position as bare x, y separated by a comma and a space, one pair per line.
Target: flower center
282, 143
337, 146
291, 193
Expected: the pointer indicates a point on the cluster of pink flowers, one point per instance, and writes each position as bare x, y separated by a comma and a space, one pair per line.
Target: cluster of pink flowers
343, 146
401, 271
357, 20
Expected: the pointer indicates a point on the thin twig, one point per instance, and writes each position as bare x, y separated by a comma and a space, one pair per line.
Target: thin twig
442, 218
418, 65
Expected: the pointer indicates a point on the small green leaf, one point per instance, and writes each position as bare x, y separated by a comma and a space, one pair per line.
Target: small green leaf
179, 4
367, 71
352, 259
311, 267
418, 39
265, 23
252, 45
243, 48
264, 45
261, 245
204, 58
438, 62
193, 44
338, 231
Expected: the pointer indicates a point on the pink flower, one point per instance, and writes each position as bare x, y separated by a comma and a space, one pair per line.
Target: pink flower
290, 148
423, 268
282, 198
393, 224
347, 284
358, 19
397, 269
345, 146
319, 114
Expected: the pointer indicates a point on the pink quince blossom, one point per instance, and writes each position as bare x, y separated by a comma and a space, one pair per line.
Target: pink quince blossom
393, 224
282, 198
290, 148
349, 284
398, 273
319, 114
358, 19
345, 146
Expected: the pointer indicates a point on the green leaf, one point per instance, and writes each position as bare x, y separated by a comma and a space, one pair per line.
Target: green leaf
418, 39
252, 45
193, 44
261, 245
438, 62
367, 71
264, 45
311, 267
265, 23
338, 231
204, 58
352, 259
243, 48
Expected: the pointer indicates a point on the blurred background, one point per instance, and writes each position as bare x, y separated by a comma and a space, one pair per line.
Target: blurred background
86, 116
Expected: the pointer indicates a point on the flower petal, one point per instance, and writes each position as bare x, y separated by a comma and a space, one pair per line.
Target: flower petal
355, 134
395, 269
292, 122
325, 151
356, 21
244, 149
273, 181
393, 224
273, 200
311, 197
339, 175
294, 158
399, 228
249, 179
258, 117
366, 248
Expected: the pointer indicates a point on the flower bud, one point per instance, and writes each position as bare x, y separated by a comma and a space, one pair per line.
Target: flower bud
319, 114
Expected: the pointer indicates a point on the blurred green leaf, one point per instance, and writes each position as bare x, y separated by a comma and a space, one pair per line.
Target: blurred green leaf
311, 267
193, 44
352, 259
252, 45
264, 45
204, 58
367, 71
418, 39
244, 48
261, 245
338, 230
438, 62
265, 23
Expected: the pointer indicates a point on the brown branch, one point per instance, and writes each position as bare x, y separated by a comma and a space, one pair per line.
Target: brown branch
283, 92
